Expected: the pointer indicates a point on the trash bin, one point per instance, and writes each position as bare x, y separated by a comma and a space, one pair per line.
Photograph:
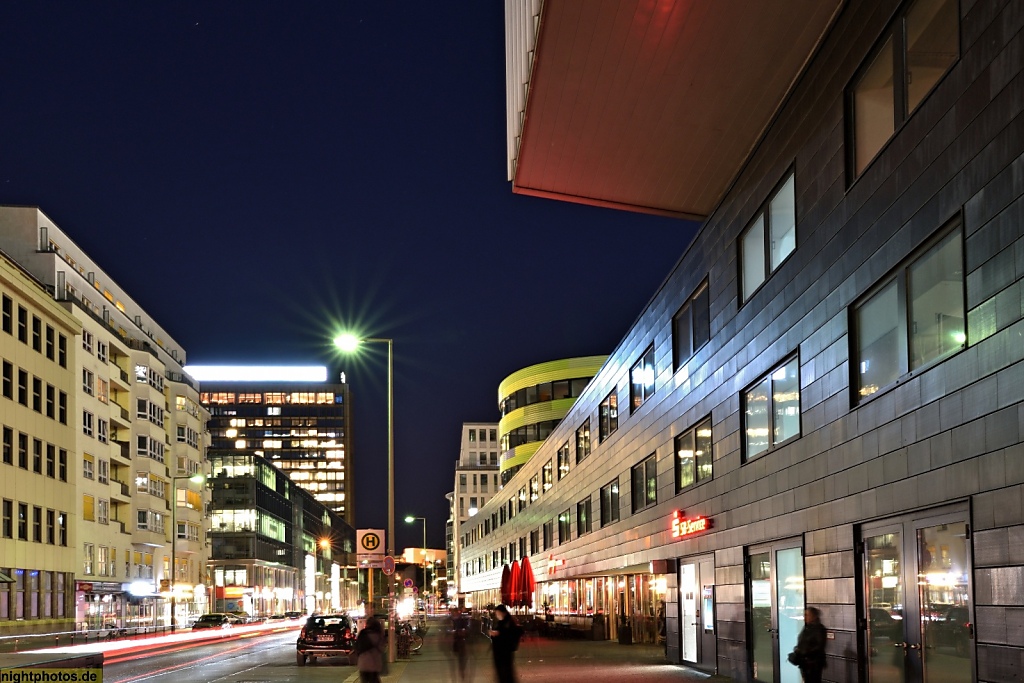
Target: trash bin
597, 628
625, 631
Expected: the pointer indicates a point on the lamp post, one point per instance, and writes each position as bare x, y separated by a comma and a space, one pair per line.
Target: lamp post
323, 544
349, 343
195, 479
409, 519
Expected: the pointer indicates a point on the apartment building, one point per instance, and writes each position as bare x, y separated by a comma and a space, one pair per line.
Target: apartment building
476, 481
824, 396
38, 474
139, 435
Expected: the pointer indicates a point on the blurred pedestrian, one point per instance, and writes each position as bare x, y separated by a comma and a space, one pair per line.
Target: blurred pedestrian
370, 650
458, 630
809, 653
505, 634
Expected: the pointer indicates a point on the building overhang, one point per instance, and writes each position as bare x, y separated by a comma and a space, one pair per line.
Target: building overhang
649, 105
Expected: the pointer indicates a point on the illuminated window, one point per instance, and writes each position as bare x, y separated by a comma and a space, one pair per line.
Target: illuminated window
769, 239
645, 484
641, 383
771, 409
693, 455
610, 502
582, 442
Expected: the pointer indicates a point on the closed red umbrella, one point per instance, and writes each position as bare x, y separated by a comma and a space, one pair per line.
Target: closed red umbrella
513, 585
506, 586
526, 582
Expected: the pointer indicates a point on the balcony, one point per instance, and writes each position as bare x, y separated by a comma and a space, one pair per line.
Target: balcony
118, 489
121, 449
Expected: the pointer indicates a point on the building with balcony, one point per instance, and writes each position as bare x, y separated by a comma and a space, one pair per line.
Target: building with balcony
824, 396
126, 417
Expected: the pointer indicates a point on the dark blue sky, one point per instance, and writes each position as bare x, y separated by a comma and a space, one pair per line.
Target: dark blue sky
258, 174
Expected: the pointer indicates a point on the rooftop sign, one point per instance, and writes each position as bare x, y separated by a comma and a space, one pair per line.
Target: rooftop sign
257, 373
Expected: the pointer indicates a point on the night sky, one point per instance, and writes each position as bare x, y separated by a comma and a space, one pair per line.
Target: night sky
260, 175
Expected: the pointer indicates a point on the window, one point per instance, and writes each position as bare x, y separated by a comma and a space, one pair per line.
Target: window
87, 423
563, 457
62, 528
549, 534
62, 465
22, 387
51, 527
923, 43
691, 326
492, 435
522, 500
641, 385
607, 416
102, 430
88, 560
87, 341
472, 436
51, 461
37, 394
8, 510
771, 409
610, 502
22, 325
8, 305
101, 351
62, 407
769, 239
534, 488
547, 477
37, 524
50, 342
87, 381
583, 517
912, 319
88, 465
22, 522
23, 450
645, 484
103, 511
8, 380
693, 455
102, 470
37, 334
582, 442
51, 401
8, 446
535, 541
564, 527
101, 390
37, 456
62, 353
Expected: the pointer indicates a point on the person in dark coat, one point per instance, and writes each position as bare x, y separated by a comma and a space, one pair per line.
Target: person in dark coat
505, 634
458, 630
809, 653
370, 650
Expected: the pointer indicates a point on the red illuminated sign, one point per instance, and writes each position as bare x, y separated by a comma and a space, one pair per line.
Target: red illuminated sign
682, 527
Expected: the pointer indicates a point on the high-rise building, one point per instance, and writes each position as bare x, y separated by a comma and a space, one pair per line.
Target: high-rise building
139, 435
299, 422
822, 403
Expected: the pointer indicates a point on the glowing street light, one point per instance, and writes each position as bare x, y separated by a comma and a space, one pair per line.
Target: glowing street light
349, 343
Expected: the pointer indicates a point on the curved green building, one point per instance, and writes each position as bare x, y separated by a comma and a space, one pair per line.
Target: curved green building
532, 401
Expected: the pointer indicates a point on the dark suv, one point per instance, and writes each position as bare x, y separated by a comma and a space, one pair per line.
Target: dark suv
330, 635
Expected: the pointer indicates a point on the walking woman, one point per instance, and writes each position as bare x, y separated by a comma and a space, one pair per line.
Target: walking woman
505, 634
809, 654
370, 649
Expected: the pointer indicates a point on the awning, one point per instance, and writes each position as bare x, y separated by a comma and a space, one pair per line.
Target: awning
5, 579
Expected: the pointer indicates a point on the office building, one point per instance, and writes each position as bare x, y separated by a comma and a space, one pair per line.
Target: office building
476, 481
833, 413
293, 417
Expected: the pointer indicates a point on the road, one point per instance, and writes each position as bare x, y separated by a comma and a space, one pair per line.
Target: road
266, 658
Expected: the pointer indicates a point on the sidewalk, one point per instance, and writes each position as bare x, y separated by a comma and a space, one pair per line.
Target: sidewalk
542, 659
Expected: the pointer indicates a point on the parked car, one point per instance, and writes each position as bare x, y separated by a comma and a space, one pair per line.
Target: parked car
325, 635
240, 617
215, 620
884, 629
956, 630
294, 615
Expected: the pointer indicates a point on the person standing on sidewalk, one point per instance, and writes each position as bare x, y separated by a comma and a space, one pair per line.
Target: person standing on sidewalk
370, 650
809, 653
458, 630
505, 634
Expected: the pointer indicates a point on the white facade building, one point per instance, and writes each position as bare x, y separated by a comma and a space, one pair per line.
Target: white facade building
476, 481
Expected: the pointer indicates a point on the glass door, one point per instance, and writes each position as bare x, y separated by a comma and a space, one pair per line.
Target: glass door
915, 588
697, 612
775, 587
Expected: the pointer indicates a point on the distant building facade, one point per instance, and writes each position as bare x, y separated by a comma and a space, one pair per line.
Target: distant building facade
302, 427
476, 481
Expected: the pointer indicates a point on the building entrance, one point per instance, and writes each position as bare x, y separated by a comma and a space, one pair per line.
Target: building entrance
775, 590
916, 616
697, 612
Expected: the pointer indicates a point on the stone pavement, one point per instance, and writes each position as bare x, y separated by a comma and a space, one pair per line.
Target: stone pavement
542, 659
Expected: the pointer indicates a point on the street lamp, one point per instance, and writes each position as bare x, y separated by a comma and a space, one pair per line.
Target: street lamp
349, 343
410, 519
323, 544
195, 479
